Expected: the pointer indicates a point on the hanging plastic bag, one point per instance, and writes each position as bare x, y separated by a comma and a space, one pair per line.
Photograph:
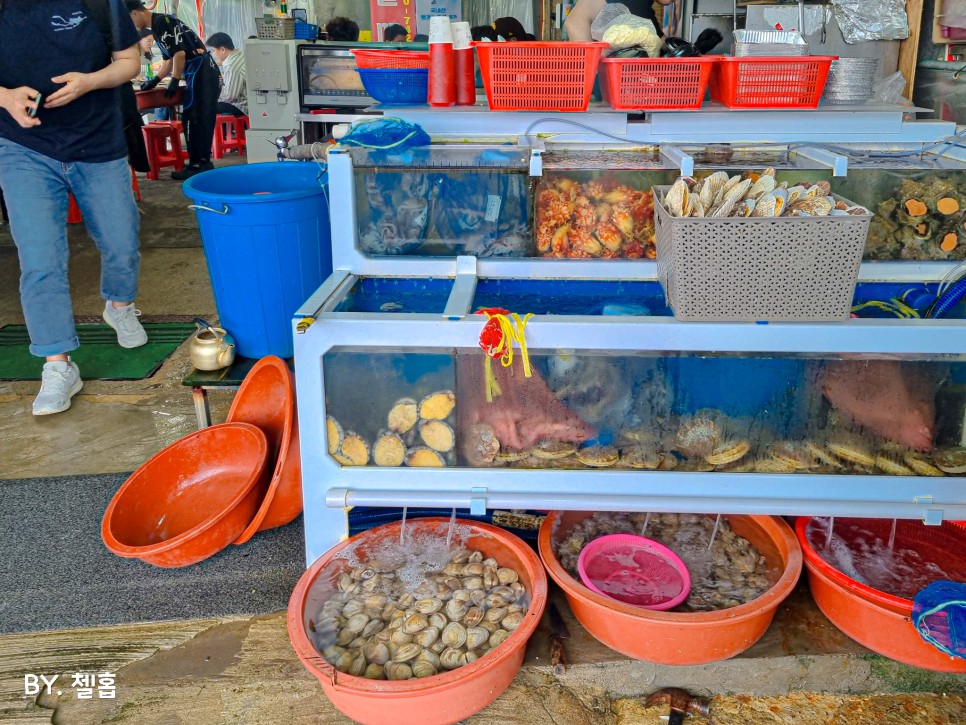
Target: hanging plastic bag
617, 26
862, 20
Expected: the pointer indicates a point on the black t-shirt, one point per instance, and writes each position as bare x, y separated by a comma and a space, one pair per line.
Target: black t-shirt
172, 35
41, 39
643, 9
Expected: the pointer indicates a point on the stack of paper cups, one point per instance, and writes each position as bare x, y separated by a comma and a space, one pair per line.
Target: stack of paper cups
442, 68
465, 70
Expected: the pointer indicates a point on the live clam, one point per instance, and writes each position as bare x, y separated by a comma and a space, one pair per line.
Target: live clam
454, 635
451, 658
476, 637
398, 671
422, 668
406, 652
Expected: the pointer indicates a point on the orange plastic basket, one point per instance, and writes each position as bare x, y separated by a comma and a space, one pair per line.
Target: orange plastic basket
634, 84
770, 82
391, 58
539, 76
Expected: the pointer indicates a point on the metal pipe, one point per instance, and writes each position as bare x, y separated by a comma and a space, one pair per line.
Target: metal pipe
344, 497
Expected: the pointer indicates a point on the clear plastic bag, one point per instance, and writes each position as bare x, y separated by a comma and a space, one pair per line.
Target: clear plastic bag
889, 89
617, 26
862, 20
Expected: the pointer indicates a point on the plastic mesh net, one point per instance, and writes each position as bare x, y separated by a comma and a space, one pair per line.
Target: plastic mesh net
939, 614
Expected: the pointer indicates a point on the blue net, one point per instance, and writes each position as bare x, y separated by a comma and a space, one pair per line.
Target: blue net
385, 133
939, 615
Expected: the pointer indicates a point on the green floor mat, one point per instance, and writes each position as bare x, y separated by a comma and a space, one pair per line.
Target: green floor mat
99, 357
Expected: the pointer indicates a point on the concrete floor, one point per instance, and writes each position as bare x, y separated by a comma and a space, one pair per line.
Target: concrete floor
243, 670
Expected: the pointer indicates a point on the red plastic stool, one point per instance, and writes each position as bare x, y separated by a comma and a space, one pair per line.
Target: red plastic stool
163, 141
74, 215
229, 134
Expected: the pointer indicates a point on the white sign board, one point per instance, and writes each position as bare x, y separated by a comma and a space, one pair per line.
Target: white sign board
426, 9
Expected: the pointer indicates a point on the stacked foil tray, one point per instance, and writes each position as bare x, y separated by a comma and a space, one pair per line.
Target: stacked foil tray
850, 81
758, 43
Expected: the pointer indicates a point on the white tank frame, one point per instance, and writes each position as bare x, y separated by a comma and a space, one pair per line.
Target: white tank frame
329, 489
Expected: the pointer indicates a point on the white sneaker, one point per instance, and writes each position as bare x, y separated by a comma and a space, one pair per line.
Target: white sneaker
61, 381
125, 322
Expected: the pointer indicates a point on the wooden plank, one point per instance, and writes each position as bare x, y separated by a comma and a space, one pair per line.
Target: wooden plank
909, 48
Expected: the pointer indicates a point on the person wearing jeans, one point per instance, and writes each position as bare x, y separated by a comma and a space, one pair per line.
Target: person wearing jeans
187, 58
60, 133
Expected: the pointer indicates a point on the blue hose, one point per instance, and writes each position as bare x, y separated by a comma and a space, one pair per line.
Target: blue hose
949, 298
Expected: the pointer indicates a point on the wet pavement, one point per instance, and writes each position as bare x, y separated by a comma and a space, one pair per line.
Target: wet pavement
242, 669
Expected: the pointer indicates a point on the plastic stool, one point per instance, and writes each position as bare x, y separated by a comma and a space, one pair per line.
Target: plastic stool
74, 215
229, 134
163, 141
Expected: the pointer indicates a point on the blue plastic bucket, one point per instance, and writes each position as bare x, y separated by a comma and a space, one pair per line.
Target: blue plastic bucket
267, 241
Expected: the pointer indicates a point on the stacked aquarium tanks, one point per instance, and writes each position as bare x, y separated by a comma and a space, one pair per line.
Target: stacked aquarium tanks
613, 404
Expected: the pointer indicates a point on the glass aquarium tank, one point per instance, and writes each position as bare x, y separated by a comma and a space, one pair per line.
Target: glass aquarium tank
919, 205
724, 412
443, 202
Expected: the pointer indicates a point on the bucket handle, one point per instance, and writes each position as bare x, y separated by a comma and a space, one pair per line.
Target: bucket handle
199, 207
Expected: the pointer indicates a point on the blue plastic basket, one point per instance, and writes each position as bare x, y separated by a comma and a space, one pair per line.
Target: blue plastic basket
396, 86
306, 31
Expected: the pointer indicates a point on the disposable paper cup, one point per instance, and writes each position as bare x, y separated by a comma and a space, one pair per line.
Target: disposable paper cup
440, 30
462, 37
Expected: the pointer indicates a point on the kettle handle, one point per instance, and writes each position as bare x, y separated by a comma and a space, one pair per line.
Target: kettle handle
205, 325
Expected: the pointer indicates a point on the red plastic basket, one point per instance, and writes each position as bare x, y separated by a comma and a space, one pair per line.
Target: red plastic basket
770, 82
539, 76
391, 58
634, 84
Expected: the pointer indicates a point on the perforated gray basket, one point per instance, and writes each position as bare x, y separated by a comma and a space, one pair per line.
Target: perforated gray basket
790, 269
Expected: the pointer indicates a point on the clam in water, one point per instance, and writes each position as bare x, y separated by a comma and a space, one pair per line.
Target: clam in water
383, 622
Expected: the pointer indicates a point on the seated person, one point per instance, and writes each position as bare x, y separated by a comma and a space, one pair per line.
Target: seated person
395, 33
233, 98
421, 38
341, 28
511, 29
484, 32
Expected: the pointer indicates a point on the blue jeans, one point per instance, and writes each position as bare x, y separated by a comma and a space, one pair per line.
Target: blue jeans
35, 188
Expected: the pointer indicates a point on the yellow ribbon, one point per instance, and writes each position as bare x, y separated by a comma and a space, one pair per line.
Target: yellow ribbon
511, 330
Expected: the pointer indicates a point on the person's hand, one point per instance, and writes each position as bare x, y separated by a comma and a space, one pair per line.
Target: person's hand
19, 102
149, 84
173, 85
75, 86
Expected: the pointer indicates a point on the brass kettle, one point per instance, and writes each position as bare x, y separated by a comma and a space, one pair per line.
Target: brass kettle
211, 348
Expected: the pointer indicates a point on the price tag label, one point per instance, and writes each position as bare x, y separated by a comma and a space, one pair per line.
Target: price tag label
493, 204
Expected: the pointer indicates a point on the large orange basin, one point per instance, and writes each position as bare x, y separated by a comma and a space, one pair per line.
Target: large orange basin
266, 399
674, 638
874, 619
439, 700
191, 499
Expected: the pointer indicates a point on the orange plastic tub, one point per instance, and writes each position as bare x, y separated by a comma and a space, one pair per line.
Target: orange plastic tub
444, 698
191, 499
266, 399
877, 620
675, 638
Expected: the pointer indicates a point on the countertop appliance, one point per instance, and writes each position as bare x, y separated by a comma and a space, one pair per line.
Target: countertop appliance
286, 77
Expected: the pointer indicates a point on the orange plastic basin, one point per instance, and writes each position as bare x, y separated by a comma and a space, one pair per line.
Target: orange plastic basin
444, 698
676, 638
874, 619
266, 399
191, 499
